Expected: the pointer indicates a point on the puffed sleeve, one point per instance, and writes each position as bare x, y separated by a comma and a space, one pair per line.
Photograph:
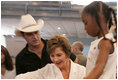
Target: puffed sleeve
29, 75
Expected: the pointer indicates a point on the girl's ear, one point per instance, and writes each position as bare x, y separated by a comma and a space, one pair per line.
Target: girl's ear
102, 20
101, 17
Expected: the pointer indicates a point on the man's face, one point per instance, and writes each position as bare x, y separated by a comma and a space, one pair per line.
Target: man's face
32, 38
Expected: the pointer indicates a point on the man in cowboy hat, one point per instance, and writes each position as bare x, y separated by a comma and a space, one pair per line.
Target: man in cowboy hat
34, 56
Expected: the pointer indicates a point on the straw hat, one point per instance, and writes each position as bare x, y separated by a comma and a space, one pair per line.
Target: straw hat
28, 24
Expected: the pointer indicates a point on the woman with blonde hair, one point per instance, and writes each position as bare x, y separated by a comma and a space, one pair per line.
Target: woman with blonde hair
63, 67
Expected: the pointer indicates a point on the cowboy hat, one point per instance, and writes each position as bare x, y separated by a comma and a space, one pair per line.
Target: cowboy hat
28, 24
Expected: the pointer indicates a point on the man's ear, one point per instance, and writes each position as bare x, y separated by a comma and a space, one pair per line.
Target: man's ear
23, 35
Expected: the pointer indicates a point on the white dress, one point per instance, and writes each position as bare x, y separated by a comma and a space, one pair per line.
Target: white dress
51, 71
9, 74
110, 67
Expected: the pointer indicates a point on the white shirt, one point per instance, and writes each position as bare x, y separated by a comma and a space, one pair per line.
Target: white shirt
110, 67
51, 71
9, 74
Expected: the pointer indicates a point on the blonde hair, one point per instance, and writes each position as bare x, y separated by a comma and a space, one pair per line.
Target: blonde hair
59, 41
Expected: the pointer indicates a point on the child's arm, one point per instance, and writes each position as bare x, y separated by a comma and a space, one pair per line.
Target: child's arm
105, 48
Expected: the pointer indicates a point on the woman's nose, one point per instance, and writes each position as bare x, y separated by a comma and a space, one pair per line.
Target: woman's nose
55, 59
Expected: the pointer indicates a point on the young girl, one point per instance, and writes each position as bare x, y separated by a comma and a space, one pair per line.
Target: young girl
7, 68
102, 58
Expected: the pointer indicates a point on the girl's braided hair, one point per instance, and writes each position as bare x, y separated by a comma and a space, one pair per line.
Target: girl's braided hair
95, 7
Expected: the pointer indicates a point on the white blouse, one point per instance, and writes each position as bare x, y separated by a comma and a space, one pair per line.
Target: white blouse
51, 71
110, 70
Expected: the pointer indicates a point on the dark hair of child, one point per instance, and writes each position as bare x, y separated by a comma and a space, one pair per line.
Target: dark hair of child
109, 14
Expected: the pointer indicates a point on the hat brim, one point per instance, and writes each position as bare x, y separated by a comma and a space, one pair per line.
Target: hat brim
28, 29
